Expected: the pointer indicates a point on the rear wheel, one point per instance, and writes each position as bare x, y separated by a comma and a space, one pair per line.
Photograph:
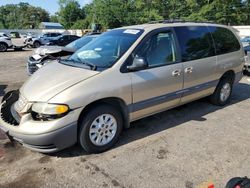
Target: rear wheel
37, 44
223, 91
3, 47
100, 128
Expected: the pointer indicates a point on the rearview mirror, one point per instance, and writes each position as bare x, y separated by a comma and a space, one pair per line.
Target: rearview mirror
138, 64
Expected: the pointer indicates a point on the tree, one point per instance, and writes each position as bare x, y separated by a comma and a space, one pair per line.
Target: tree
116, 13
54, 18
70, 11
226, 12
21, 16
81, 24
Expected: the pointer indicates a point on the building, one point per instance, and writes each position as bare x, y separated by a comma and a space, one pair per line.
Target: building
243, 30
50, 25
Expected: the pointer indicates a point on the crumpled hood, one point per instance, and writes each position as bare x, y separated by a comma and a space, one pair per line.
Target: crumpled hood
52, 79
45, 50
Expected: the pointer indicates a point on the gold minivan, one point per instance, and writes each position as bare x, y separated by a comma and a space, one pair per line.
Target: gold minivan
124, 75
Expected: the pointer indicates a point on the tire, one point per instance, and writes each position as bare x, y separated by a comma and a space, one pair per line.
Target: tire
101, 139
225, 86
37, 44
3, 47
234, 182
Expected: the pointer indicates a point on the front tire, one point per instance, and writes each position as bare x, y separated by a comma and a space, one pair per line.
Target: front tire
36, 44
3, 47
100, 128
223, 92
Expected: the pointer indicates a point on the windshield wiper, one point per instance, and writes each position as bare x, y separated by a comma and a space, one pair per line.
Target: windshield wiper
92, 66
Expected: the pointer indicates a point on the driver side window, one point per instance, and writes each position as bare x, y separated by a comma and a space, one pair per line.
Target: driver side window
158, 50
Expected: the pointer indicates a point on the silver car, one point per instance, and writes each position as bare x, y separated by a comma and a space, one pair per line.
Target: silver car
45, 54
124, 75
36, 42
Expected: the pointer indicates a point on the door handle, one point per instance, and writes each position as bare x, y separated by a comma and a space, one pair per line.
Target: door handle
188, 70
176, 72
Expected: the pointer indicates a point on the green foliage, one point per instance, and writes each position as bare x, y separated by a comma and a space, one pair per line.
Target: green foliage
226, 12
22, 16
81, 24
54, 18
70, 12
116, 13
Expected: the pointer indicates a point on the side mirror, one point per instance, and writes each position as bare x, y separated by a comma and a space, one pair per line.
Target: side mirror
138, 64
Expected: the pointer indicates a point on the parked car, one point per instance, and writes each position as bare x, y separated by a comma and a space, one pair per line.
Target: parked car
247, 60
45, 54
63, 40
5, 42
245, 41
41, 40
123, 75
246, 70
15, 34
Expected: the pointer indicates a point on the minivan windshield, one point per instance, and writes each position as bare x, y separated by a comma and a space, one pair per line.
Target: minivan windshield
106, 49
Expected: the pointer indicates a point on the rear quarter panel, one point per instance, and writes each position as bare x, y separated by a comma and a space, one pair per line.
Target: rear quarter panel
231, 61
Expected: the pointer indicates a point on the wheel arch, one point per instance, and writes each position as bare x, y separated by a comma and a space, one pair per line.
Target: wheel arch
228, 74
2, 42
116, 102
37, 41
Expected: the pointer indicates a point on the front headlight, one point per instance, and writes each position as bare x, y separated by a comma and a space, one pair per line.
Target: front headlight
50, 109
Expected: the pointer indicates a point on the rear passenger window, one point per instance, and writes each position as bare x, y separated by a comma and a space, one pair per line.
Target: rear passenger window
195, 42
225, 40
159, 49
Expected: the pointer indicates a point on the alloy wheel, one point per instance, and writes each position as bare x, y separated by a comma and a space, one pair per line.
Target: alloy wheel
103, 129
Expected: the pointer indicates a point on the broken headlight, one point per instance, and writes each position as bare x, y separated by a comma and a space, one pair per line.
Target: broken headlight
46, 111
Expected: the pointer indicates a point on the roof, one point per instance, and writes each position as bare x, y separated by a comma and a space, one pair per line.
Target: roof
51, 25
151, 26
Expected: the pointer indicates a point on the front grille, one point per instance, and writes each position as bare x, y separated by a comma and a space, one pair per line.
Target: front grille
21, 103
7, 106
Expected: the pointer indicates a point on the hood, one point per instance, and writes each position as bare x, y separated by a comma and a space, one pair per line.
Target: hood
45, 50
52, 79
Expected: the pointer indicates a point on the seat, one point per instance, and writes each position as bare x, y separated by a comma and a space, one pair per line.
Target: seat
162, 53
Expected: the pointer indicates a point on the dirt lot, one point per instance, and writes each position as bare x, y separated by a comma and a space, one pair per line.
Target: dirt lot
189, 146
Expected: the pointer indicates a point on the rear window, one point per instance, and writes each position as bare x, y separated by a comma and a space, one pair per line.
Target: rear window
195, 42
225, 40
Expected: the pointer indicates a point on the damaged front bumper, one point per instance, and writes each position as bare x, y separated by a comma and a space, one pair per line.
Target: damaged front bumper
41, 136
33, 65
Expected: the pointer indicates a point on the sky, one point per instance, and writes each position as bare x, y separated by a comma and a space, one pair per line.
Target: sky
50, 5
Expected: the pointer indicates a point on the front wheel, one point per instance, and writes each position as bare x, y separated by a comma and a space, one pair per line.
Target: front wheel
100, 128
3, 47
36, 44
223, 91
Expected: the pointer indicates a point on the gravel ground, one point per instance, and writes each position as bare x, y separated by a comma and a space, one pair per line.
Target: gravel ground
190, 146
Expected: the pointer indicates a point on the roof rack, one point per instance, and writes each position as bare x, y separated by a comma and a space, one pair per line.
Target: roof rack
178, 21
